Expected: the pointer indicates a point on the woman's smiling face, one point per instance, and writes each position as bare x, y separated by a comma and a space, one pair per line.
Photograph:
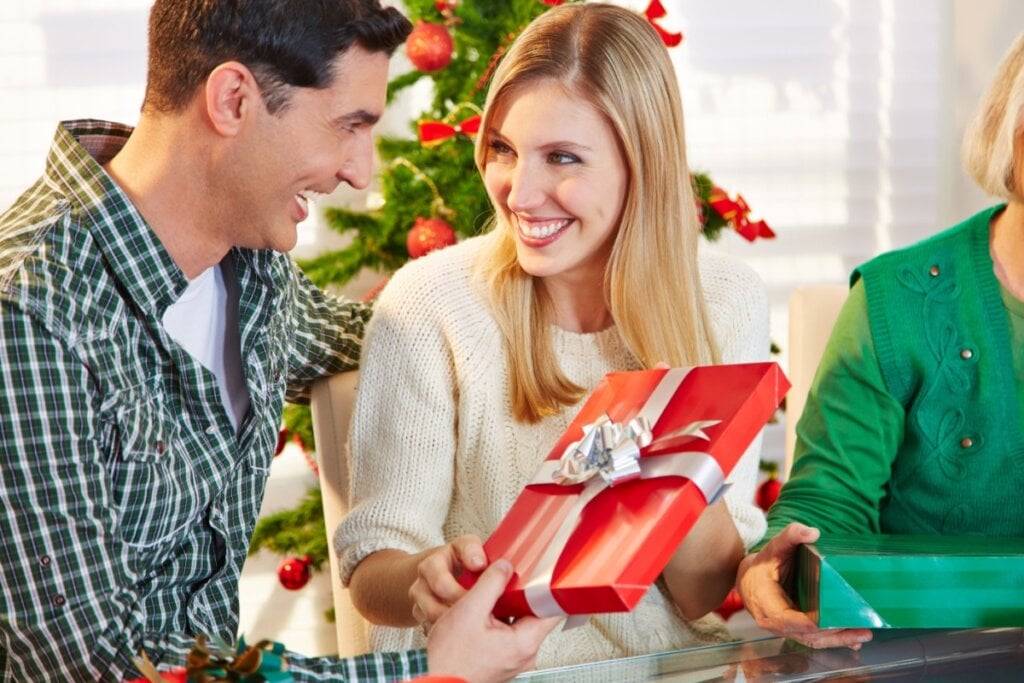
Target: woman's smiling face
555, 171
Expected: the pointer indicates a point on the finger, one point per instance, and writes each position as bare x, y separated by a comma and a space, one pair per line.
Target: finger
469, 552
426, 605
535, 628
794, 535
851, 638
435, 573
488, 588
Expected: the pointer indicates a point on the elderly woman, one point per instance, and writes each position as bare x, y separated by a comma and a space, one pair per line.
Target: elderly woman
914, 422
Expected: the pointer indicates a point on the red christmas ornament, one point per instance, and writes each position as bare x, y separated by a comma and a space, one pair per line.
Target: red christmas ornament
428, 234
429, 46
294, 572
733, 603
282, 439
768, 492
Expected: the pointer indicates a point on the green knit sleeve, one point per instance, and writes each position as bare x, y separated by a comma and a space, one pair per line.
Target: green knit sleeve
847, 437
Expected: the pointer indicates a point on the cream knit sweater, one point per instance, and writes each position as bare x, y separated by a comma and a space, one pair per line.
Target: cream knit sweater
436, 452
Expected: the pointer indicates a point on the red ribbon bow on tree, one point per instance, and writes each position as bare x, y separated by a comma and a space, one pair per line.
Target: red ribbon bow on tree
738, 213
433, 132
655, 10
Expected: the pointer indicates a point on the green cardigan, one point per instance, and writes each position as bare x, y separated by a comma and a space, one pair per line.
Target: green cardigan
913, 422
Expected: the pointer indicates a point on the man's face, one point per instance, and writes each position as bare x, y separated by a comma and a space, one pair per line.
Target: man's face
321, 138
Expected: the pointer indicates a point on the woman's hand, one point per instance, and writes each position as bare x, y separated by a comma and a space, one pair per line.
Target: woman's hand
761, 583
435, 588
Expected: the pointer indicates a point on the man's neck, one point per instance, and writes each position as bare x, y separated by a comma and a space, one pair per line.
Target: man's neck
165, 174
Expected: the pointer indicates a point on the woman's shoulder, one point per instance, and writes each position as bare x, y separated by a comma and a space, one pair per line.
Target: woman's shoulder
728, 281
737, 306
435, 277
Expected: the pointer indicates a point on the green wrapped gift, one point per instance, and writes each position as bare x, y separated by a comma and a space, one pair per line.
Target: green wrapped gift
846, 581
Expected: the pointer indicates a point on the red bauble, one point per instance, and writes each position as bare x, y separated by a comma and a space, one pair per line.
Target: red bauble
294, 572
428, 234
429, 46
282, 439
768, 492
733, 603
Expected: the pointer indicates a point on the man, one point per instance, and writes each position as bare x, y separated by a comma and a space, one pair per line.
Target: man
151, 328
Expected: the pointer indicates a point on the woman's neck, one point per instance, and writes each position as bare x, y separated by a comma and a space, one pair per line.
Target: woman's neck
1006, 245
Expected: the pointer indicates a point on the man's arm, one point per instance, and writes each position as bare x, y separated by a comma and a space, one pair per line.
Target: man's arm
326, 333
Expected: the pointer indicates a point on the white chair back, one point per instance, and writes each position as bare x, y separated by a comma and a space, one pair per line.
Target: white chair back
813, 310
332, 400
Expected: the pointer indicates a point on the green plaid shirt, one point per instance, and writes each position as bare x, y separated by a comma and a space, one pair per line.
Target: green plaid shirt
128, 497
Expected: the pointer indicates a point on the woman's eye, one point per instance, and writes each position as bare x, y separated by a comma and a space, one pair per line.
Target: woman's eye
500, 147
563, 158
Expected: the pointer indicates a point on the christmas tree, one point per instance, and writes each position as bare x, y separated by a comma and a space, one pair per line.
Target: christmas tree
433, 195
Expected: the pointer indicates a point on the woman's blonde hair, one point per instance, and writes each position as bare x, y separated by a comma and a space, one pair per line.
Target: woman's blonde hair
613, 58
990, 142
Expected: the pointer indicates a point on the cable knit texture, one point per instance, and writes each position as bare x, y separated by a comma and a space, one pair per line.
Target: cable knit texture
436, 452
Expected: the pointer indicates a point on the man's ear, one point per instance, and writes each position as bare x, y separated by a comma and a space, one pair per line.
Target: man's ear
232, 94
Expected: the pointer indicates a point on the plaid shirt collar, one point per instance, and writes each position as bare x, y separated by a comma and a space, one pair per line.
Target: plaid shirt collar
138, 258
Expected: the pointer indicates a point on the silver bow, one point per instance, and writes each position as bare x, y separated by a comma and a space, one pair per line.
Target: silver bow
613, 450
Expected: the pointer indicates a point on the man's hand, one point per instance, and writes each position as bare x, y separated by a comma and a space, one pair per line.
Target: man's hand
435, 588
761, 579
469, 642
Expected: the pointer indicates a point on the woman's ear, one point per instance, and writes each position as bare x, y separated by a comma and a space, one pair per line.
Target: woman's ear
231, 95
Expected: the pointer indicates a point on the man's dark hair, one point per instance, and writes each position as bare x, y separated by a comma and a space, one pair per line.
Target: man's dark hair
285, 43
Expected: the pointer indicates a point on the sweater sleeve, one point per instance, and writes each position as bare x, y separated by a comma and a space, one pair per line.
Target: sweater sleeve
738, 305
847, 437
403, 428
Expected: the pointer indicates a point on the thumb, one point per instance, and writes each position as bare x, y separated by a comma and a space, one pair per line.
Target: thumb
795, 534
489, 587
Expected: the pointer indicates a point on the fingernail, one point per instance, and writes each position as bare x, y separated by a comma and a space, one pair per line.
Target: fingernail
503, 565
477, 560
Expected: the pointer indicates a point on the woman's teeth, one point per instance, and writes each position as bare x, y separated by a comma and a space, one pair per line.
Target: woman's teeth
542, 230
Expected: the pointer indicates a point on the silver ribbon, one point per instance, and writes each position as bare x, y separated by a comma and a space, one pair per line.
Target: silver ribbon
612, 451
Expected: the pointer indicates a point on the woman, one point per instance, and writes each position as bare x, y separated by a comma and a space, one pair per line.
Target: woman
479, 355
914, 422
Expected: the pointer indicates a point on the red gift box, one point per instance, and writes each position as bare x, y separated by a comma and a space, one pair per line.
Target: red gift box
672, 437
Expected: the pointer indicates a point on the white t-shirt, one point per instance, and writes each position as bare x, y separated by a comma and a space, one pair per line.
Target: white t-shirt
204, 321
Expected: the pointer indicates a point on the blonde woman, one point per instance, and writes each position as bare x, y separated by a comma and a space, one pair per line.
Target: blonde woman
913, 423
479, 355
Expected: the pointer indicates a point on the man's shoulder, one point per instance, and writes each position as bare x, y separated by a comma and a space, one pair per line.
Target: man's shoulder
48, 263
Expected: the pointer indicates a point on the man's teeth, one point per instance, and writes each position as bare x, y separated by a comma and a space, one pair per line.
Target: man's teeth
307, 196
542, 230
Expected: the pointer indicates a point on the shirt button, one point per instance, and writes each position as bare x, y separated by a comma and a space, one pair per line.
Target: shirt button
159, 446
44, 560
967, 354
211, 430
277, 375
966, 442
934, 271
59, 600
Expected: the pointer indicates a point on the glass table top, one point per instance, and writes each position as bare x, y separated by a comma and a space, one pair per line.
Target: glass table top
902, 655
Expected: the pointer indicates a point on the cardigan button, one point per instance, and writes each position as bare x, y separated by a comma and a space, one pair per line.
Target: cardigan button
934, 271
59, 600
966, 442
967, 354
159, 446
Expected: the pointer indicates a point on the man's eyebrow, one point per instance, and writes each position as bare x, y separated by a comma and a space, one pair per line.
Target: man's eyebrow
360, 116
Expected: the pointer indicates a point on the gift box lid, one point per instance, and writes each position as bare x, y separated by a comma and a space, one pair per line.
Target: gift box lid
901, 581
